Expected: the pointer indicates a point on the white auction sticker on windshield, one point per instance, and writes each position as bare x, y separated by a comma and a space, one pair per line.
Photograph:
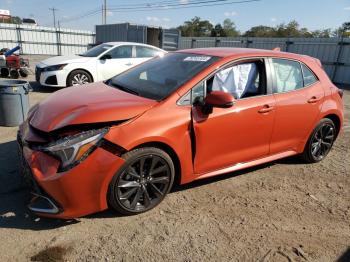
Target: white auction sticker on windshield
197, 58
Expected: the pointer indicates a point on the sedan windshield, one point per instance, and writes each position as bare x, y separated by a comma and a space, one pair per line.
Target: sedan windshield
159, 77
96, 51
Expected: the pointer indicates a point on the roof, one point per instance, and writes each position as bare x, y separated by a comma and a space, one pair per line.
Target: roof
132, 43
127, 43
229, 52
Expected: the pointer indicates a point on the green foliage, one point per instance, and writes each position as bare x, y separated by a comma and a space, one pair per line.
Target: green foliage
292, 29
197, 27
218, 31
12, 20
229, 28
261, 31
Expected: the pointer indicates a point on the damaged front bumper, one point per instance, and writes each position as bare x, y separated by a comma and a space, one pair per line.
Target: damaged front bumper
40, 202
77, 192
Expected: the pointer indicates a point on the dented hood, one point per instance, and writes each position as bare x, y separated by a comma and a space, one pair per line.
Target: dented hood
92, 103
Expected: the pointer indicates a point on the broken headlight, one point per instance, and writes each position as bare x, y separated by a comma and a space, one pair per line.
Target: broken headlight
71, 150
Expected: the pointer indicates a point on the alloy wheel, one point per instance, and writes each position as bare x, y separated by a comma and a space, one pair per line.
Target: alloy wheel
80, 79
143, 183
322, 141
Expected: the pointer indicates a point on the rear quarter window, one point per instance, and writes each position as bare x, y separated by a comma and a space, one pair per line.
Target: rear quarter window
309, 76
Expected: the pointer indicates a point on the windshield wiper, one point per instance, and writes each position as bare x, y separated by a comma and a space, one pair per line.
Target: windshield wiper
124, 88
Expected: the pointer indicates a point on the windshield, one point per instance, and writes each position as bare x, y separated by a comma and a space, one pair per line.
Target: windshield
96, 51
159, 77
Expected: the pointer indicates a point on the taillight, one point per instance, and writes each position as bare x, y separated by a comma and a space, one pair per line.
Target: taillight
340, 92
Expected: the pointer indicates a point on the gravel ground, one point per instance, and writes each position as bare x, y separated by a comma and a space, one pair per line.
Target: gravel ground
282, 211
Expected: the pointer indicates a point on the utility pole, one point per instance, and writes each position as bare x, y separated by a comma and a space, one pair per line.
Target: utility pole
102, 14
105, 12
54, 15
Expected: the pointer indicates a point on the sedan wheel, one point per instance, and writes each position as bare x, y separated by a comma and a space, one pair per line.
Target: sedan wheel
79, 77
320, 142
143, 182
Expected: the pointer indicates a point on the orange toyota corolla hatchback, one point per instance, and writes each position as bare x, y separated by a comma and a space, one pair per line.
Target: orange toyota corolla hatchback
188, 115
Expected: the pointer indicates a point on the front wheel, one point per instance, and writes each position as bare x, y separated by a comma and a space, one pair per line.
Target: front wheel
320, 142
142, 182
78, 77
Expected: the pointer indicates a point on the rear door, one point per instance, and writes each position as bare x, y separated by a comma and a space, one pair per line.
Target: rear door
299, 97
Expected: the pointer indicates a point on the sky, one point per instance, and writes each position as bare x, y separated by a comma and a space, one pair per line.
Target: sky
313, 14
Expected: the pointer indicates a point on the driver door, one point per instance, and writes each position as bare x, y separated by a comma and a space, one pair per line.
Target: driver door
239, 134
120, 59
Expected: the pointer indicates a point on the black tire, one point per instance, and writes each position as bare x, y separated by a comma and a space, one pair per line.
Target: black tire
133, 192
320, 141
14, 74
78, 77
23, 72
4, 72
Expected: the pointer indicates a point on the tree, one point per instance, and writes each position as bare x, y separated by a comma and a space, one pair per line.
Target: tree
325, 33
229, 28
260, 31
343, 30
218, 31
13, 20
304, 32
196, 27
288, 30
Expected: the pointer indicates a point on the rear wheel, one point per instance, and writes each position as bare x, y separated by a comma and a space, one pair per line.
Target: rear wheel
4, 72
78, 77
142, 182
320, 142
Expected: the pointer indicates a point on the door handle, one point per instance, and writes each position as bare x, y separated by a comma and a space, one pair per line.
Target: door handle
313, 99
265, 109
129, 64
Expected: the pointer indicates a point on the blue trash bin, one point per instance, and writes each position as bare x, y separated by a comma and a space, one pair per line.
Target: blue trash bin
14, 102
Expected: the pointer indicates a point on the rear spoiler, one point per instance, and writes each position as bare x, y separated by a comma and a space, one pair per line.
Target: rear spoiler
318, 61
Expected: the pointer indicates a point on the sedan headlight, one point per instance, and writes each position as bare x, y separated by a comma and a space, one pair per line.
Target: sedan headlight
54, 68
71, 150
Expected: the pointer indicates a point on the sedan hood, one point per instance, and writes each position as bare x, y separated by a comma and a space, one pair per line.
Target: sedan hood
92, 103
58, 60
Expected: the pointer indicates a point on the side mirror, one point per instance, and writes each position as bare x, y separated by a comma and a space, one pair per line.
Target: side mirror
106, 56
219, 99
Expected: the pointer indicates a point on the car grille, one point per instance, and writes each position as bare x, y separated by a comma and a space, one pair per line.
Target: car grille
38, 71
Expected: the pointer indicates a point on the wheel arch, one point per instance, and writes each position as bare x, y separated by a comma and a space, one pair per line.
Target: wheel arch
336, 120
82, 69
332, 115
171, 152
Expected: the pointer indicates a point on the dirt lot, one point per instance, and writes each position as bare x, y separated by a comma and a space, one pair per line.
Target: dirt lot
283, 211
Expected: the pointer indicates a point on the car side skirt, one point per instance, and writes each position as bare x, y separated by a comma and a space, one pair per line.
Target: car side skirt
240, 166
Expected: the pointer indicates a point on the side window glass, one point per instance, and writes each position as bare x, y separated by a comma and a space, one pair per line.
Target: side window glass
242, 80
121, 52
309, 76
197, 91
288, 75
142, 51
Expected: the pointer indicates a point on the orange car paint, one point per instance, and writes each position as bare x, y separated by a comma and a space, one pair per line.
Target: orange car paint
252, 132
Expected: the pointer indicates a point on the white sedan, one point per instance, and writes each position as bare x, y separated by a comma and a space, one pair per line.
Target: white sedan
97, 64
